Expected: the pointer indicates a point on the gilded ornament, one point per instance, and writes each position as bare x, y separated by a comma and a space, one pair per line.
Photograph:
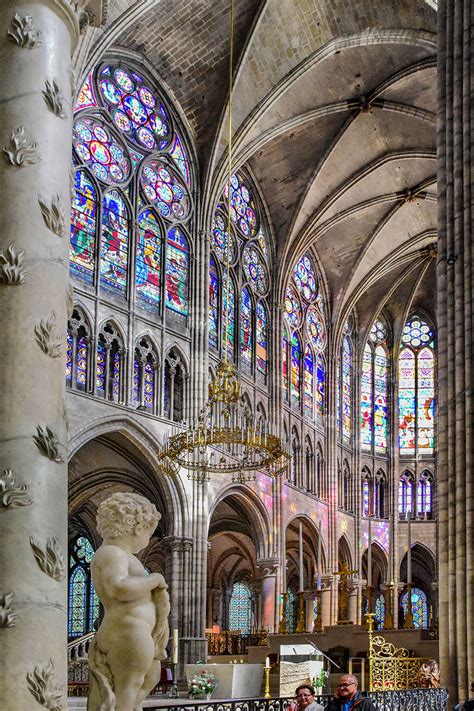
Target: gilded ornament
23, 33
7, 617
11, 262
54, 99
21, 151
13, 495
47, 338
49, 559
41, 684
53, 215
48, 444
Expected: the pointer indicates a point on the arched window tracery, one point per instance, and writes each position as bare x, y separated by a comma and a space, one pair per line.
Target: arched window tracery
83, 603
424, 495
419, 607
367, 493
240, 608
110, 364
416, 388
246, 251
405, 493
78, 352
145, 366
132, 201
374, 391
175, 387
346, 398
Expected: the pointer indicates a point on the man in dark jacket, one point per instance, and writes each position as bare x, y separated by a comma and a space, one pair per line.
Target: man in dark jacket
348, 698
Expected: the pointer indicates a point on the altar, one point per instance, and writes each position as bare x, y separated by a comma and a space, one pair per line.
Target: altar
234, 681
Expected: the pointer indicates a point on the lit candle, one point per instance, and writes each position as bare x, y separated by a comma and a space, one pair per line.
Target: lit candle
301, 559
320, 546
409, 549
267, 663
369, 555
174, 647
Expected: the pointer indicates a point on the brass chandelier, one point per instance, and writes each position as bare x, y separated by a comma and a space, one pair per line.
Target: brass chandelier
224, 439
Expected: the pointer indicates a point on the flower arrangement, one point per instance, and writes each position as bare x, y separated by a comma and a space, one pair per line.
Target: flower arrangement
202, 684
319, 680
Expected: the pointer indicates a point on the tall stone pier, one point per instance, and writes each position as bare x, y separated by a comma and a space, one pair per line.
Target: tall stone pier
456, 348
36, 41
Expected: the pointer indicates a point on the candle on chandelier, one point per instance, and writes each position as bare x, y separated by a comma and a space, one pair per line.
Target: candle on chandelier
267, 663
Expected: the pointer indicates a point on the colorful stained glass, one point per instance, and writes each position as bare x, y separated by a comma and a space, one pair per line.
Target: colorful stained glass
100, 366
213, 304
308, 380
284, 364
416, 333
407, 401
69, 357
425, 400
177, 271
240, 608
83, 227
83, 549
424, 501
86, 97
116, 376
148, 385
224, 249
315, 328
77, 603
378, 332
228, 316
179, 156
379, 610
83, 603
292, 306
95, 145
380, 400
165, 189
366, 423
136, 379
255, 270
262, 242
346, 390
242, 208
291, 614
365, 498
305, 278
261, 321
94, 609
148, 262
82, 357
419, 607
134, 108
246, 331
114, 244
405, 494
295, 366
320, 385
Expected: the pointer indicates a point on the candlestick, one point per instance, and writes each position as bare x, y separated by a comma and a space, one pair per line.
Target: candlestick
267, 682
174, 647
301, 559
267, 663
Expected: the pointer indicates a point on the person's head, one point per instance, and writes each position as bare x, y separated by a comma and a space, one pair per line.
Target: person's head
305, 695
347, 686
127, 514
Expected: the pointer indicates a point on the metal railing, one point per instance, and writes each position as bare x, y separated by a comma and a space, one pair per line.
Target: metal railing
233, 642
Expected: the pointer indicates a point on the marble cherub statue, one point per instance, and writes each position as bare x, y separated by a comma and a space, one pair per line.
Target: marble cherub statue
125, 654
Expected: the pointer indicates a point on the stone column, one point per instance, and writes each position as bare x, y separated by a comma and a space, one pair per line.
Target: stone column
36, 41
327, 584
268, 595
455, 344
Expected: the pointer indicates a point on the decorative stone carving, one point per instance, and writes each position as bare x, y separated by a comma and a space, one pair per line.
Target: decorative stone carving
53, 215
11, 263
21, 151
13, 495
48, 444
23, 33
50, 559
126, 523
41, 684
54, 99
48, 340
7, 617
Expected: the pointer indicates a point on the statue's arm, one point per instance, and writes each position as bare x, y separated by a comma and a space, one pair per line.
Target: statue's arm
111, 564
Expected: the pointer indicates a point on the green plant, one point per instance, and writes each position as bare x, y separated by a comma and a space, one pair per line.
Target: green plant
202, 683
319, 679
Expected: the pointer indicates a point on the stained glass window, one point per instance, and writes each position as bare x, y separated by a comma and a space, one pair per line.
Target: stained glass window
380, 399
291, 613
83, 602
100, 367
419, 607
82, 360
179, 156
246, 331
315, 328
98, 147
308, 380
228, 317
320, 384
346, 389
292, 306
214, 304
305, 278
261, 329
255, 270
165, 190
366, 428
242, 210
379, 610
424, 495
405, 493
114, 244
136, 379
240, 608
225, 249
416, 389
148, 260
284, 365
365, 497
117, 366
69, 357
295, 366
177, 271
83, 227
373, 392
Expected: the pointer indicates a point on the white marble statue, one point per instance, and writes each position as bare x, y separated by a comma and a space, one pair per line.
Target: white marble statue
125, 654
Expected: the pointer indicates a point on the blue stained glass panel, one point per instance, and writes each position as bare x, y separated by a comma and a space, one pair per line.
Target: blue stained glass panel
419, 607
320, 385
114, 244
148, 262
228, 323
261, 324
149, 385
177, 272
379, 610
295, 366
83, 227
213, 304
136, 380
240, 608
69, 357
308, 380
246, 331
100, 367
77, 603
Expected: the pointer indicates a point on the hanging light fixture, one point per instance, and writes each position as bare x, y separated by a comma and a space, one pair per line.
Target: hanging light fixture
224, 439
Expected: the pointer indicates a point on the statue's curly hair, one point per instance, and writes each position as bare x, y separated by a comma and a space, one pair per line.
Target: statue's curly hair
124, 513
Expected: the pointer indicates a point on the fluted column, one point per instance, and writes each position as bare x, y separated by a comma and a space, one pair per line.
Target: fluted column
36, 41
455, 344
268, 595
